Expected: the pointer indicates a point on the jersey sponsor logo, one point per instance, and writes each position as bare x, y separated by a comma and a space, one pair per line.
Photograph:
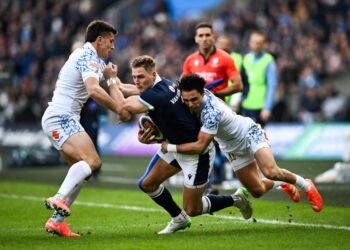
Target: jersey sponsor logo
93, 65
189, 176
196, 62
55, 135
172, 89
208, 76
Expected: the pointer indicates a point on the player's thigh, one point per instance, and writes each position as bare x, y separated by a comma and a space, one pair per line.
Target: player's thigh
161, 171
196, 168
80, 147
265, 160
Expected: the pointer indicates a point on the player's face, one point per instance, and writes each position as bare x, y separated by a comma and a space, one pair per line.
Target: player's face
204, 38
256, 43
105, 45
142, 78
192, 99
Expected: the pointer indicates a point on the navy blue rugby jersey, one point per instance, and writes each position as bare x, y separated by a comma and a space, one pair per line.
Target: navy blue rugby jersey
169, 113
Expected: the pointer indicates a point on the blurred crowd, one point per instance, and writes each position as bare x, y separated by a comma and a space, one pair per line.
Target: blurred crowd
309, 39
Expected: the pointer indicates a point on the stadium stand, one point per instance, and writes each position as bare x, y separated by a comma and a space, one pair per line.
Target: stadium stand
310, 40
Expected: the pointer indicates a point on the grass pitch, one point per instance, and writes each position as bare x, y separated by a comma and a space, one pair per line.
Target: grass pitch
128, 219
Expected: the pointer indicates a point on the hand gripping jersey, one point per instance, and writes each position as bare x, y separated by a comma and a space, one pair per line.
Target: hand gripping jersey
70, 93
228, 128
169, 113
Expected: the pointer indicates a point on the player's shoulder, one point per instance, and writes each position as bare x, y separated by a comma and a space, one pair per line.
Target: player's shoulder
223, 53
192, 56
212, 104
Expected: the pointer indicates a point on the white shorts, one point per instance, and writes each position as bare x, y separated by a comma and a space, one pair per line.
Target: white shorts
195, 168
59, 127
255, 140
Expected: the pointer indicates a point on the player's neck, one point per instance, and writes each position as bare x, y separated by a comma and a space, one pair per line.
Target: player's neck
207, 52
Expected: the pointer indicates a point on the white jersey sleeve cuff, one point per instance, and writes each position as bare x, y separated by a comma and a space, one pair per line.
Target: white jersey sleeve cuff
149, 106
208, 131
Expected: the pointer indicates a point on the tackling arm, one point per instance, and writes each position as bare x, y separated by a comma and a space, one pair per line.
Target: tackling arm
128, 89
197, 147
97, 93
130, 104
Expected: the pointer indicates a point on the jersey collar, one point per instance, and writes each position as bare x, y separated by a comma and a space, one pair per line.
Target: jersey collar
89, 46
158, 79
212, 53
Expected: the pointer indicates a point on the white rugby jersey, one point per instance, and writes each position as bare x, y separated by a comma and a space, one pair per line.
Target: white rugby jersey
228, 128
70, 93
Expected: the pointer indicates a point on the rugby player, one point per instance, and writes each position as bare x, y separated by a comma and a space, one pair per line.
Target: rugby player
161, 99
78, 79
242, 141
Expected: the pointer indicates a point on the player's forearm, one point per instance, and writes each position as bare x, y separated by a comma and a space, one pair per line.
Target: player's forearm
191, 148
102, 98
117, 96
128, 89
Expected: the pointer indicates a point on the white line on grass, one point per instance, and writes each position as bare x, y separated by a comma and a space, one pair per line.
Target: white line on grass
144, 209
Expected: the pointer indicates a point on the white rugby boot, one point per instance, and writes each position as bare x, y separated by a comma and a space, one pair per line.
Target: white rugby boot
241, 201
181, 222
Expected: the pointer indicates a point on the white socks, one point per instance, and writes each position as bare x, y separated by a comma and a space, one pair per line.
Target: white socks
277, 184
75, 176
206, 205
302, 183
70, 198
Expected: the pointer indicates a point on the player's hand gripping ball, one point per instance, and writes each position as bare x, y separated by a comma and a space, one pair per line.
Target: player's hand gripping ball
146, 122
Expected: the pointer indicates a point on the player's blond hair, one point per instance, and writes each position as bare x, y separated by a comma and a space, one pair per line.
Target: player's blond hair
144, 61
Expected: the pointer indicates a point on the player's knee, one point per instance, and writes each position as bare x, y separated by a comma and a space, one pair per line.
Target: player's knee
257, 192
193, 211
272, 173
147, 187
95, 163
140, 184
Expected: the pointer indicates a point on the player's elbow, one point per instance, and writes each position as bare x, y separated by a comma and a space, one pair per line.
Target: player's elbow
200, 148
93, 91
239, 85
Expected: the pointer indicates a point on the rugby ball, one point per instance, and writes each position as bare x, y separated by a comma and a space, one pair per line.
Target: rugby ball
146, 122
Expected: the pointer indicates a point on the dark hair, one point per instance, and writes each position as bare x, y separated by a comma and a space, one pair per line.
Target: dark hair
144, 61
203, 25
98, 28
192, 82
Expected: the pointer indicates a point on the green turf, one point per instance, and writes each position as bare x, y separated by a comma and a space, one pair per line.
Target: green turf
22, 218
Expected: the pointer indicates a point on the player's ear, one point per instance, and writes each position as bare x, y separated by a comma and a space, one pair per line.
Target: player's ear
196, 39
99, 39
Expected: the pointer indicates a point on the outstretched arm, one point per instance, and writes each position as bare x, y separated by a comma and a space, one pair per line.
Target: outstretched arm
128, 89
130, 104
97, 93
197, 147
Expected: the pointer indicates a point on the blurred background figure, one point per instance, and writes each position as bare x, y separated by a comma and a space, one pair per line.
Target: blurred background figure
225, 43
340, 173
310, 106
262, 73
